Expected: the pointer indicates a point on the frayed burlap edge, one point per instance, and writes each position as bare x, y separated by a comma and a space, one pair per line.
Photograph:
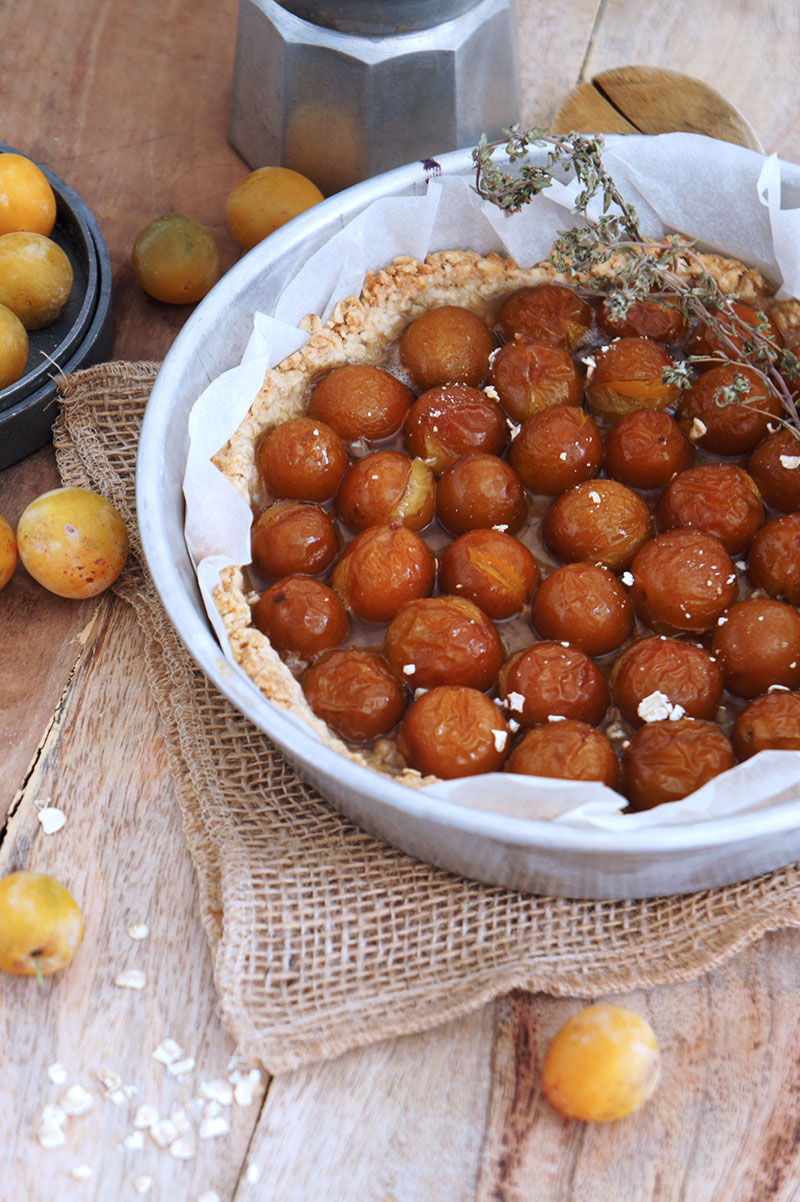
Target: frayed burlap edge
324, 938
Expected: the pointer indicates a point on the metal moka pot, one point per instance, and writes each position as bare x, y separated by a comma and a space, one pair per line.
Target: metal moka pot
342, 90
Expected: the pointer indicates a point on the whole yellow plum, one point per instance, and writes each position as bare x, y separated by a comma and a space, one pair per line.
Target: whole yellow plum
35, 278
73, 541
601, 1065
8, 552
14, 347
41, 924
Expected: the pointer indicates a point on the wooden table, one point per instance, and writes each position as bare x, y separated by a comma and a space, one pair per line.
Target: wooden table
128, 102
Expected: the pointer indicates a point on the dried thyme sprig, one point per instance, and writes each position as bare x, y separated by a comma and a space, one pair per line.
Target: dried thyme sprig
644, 269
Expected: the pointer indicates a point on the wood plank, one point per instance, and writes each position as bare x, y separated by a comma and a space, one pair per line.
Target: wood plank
123, 855
41, 636
458, 1113
398, 1122
746, 51
144, 133
552, 41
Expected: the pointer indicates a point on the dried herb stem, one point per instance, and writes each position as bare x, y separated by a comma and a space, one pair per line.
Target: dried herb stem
643, 269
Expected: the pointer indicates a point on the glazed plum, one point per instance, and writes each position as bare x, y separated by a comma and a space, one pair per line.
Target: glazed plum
659, 320
491, 568
599, 521
547, 679
719, 498
774, 560
683, 580
444, 640
386, 487
628, 375
453, 731
775, 467
360, 401
645, 449
549, 313
583, 604
728, 428
530, 376
301, 615
771, 721
480, 491
708, 348
302, 459
656, 675
293, 538
454, 420
757, 645
356, 693
447, 345
666, 761
556, 449
381, 569
566, 750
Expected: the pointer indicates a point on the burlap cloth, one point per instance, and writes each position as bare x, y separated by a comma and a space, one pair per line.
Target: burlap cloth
322, 937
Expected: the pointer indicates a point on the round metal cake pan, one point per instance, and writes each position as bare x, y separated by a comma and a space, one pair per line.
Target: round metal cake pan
81, 336
533, 856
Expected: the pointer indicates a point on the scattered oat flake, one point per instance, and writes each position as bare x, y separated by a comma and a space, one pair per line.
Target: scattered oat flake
51, 819
109, 1079
208, 1195
177, 1068
790, 461
145, 1115
698, 429
134, 1141
131, 978
142, 1185
216, 1091
77, 1100
627, 578
51, 1137
167, 1051
53, 1116
81, 1172
500, 739
252, 1173
183, 1148
117, 1096
139, 930
57, 1074
163, 1132
181, 1120
516, 702
244, 1087
213, 1126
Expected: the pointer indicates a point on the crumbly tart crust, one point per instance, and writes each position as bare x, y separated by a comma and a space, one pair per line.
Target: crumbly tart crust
360, 330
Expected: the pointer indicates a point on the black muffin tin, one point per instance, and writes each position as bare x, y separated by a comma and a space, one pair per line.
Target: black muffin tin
81, 336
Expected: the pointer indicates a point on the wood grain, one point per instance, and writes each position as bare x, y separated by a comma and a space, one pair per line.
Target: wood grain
129, 104
745, 51
650, 100
121, 855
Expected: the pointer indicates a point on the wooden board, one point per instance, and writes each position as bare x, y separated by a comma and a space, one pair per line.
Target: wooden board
650, 100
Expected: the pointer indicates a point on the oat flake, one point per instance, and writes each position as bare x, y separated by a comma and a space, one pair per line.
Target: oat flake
51, 819
77, 1100
139, 930
81, 1172
134, 1141
167, 1051
131, 978
57, 1074
142, 1185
